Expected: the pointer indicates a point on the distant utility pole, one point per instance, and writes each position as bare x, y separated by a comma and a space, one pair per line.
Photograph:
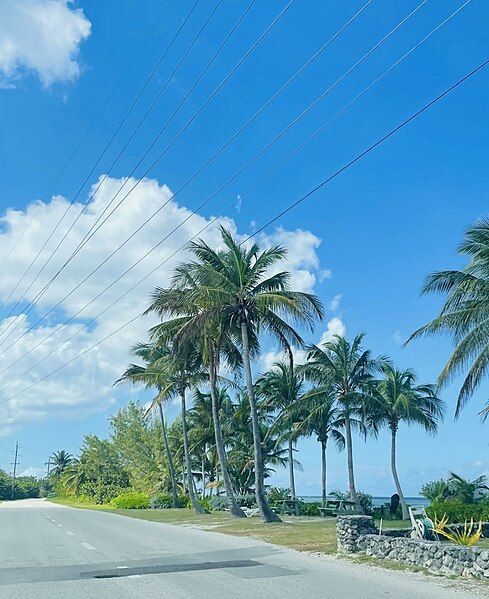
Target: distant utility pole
48, 464
15, 463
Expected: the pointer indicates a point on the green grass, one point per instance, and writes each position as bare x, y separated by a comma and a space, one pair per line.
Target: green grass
301, 533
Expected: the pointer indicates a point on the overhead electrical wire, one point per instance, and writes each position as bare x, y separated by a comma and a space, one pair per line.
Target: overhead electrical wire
94, 166
290, 207
214, 219
88, 130
228, 76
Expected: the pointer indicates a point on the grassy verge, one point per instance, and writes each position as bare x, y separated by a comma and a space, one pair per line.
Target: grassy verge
301, 533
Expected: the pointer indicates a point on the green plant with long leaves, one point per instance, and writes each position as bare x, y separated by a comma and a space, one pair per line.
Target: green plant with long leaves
464, 314
60, 460
192, 324
468, 491
317, 415
237, 288
281, 388
348, 370
151, 376
395, 399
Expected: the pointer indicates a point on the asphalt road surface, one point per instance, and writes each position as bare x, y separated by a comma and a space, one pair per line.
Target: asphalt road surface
48, 551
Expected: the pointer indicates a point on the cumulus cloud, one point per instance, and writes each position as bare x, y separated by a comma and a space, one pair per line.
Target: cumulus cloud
40, 36
85, 385
334, 304
334, 327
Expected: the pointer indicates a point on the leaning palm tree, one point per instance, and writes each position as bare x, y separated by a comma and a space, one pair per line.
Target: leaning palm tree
396, 399
60, 460
465, 313
151, 376
346, 369
191, 324
318, 416
281, 388
236, 288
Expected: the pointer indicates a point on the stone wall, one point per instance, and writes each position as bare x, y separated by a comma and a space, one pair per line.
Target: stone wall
359, 534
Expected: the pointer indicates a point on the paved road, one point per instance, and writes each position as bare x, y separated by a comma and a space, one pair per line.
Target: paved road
52, 552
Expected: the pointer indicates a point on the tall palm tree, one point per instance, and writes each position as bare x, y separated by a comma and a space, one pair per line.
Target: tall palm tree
318, 415
396, 399
191, 324
60, 460
238, 288
465, 313
347, 369
281, 389
151, 376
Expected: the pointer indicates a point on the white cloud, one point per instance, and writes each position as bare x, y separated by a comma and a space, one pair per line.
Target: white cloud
41, 36
334, 304
398, 339
32, 471
86, 385
334, 327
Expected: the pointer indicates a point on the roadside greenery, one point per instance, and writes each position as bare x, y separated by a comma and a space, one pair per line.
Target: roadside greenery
457, 498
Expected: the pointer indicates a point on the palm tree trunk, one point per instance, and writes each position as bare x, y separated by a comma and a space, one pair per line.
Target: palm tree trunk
265, 511
405, 513
202, 469
324, 475
291, 469
349, 453
221, 452
169, 458
190, 479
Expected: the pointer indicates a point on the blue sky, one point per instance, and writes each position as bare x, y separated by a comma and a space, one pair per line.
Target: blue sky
368, 239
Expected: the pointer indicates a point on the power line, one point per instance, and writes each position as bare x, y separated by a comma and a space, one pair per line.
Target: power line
228, 76
94, 166
214, 219
320, 129
221, 149
290, 207
88, 130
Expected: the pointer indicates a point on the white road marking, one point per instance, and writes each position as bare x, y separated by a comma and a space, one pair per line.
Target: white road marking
89, 547
70, 534
60, 525
134, 576
122, 567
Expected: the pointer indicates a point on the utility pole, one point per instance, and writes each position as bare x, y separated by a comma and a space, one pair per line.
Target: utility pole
48, 464
15, 463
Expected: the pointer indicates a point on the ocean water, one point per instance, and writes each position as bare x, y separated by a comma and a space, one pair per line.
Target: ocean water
376, 501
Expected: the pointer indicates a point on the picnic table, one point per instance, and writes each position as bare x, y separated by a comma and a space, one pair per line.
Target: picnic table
335, 507
286, 506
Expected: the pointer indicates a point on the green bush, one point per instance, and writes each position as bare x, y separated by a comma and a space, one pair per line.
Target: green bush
309, 509
246, 500
161, 501
218, 503
131, 500
206, 504
365, 501
457, 511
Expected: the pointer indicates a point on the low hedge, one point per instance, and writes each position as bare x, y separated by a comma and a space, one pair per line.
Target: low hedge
458, 511
132, 500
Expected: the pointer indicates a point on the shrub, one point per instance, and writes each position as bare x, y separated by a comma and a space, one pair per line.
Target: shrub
246, 500
218, 503
457, 511
309, 509
132, 500
278, 494
206, 504
161, 501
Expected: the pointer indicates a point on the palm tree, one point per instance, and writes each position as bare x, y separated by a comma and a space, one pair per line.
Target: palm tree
240, 292
468, 491
396, 399
320, 417
60, 460
465, 313
150, 376
192, 324
281, 388
346, 369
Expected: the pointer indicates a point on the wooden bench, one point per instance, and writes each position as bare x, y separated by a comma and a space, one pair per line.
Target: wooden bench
335, 507
286, 506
